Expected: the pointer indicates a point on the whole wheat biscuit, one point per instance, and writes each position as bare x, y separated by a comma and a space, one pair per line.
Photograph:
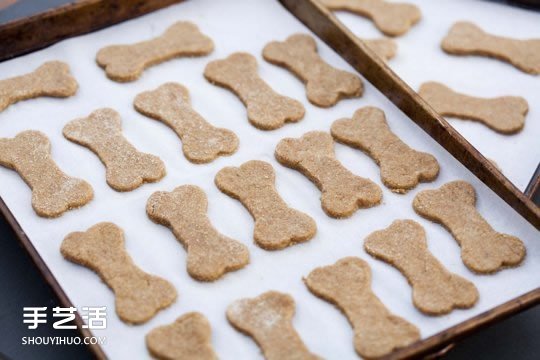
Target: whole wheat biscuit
276, 224
384, 47
391, 18
127, 168
50, 79
210, 254
483, 250
187, 338
402, 168
268, 320
436, 291
53, 192
138, 295
342, 192
465, 38
505, 114
201, 142
266, 109
347, 285
325, 85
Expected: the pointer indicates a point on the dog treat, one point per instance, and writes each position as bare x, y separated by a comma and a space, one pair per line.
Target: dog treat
138, 295
276, 224
201, 142
325, 85
385, 48
347, 285
53, 192
127, 168
465, 38
210, 254
266, 109
268, 320
504, 114
436, 291
342, 191
483, 250
189, 337
402, 168
127, 62
50, 79
391, 18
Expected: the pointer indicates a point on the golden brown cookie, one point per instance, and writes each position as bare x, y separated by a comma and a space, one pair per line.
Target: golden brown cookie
266, 109
138, 295
187, 338
483, 250
402, 168
53, 192
50, 79
505, 114
392, 18
127, 62
384, 47
127, 168
436, 291
201, 142
465, 38
347, 285
342, 192
325, 85
268, 320
210, 254
276, 224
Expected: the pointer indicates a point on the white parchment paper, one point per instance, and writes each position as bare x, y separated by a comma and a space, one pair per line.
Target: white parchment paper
248, 26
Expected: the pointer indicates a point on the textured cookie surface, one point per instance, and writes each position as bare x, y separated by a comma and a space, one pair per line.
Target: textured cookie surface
347, 285
187, 338
268, 320
209, 253
504, 114
325, 85
50, 79
465, 38
53, 192
138, 295
201, 142
127, 62
342, 191
483, 250
436, 291
276, 224
385, 48
127, 168
266, 109
402, 168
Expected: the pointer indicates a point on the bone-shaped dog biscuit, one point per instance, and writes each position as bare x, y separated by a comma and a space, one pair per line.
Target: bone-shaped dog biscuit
268, 320
201, 142
210, 254
276, 225
347, 285
504, 114
391, 18
385, 48
401, 167
325, 85
125, 63
138, 295
127, 168
342, 191
50, 79
53, 192
483, 250
188, 337
266, 109
465, 38
436, 291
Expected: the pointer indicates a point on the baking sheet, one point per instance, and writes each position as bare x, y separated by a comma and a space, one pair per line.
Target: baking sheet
240, 25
